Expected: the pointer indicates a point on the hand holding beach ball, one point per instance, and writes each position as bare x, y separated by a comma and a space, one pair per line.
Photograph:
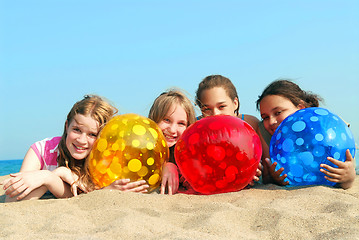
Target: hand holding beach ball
129, 146
218, 154
305, 139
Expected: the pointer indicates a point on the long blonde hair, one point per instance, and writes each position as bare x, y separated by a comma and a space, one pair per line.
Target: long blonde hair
101, 111
164, 101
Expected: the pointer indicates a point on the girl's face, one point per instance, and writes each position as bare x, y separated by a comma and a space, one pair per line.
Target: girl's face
274, 109
215, 101
173, 124
82, 133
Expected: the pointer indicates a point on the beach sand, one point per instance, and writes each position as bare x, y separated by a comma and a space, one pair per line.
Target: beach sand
262, 212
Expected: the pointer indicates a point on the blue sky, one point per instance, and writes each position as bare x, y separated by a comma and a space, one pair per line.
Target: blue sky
54, 52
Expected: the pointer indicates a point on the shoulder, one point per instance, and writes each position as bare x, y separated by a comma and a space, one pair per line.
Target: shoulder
252, 120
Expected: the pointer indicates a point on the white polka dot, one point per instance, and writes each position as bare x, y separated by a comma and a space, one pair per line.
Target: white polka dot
321, 111
298, 126
319, 137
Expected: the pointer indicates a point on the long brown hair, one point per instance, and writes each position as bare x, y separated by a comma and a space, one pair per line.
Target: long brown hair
101, 111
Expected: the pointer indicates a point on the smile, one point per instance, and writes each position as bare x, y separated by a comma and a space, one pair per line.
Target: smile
79, 148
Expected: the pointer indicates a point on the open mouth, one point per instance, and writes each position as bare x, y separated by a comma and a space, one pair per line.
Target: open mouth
79, 148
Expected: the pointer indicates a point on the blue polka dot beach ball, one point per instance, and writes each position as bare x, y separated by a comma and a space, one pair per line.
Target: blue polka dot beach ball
304, 140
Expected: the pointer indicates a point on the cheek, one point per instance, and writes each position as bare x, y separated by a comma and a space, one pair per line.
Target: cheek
91, 142
162, 126
181, 130
266, 125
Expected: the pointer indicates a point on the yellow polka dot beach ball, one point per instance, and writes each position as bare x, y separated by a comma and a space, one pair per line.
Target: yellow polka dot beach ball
129, 146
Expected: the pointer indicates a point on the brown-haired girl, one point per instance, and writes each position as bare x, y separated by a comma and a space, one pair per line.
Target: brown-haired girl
280, 99
58, 164
217, 95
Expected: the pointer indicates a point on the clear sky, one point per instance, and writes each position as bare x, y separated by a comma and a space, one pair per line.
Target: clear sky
54, 52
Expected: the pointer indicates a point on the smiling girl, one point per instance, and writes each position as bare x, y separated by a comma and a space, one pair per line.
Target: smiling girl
58, 164
280, 99
173, 112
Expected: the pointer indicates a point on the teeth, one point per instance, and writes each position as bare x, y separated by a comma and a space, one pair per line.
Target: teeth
80, 148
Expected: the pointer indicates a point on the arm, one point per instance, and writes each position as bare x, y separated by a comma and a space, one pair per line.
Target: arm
344, 174
33, 184
169, 178
31, 161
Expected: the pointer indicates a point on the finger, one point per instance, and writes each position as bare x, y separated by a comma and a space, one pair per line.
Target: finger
278, 172
329, 168
267, 163
163, 186
11, 181
170, 189
122, 181
349, 157
331, 174
140, 188
336, 162
272, 167
74, 189
16, 191
15, 174
23, 194
335, 180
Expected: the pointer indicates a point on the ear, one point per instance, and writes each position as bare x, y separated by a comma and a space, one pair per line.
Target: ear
301, 105
236, 103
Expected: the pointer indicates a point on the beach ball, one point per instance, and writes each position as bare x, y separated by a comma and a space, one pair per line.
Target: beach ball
305, 139
129, 146
218, 154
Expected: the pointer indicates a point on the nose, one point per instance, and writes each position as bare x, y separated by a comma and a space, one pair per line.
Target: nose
272, 120
172, 128
216, 111
82, 138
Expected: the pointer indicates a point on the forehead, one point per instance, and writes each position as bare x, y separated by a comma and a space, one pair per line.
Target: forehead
85, 120
274, 101
214, 95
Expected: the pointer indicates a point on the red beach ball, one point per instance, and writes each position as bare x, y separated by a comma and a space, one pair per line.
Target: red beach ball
218, 154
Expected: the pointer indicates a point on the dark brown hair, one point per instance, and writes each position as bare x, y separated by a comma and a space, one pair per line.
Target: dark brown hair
291, 91
212, 81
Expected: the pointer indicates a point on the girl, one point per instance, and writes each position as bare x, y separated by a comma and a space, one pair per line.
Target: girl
173, 112
57, 164
280, 99
217, 95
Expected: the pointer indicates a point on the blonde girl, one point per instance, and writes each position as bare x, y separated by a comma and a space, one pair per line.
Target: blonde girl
173, 112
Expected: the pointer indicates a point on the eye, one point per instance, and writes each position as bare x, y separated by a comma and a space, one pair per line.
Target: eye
76, 129
222, 107
166, 120
93, 135
278, 113
183, 124
264, 118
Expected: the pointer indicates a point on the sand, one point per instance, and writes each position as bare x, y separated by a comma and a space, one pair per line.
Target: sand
262, 212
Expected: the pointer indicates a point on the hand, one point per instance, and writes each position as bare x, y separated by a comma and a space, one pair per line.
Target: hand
70, 178
275, 175
257, 175
344, 174
126, 186
23, 183
169, 178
